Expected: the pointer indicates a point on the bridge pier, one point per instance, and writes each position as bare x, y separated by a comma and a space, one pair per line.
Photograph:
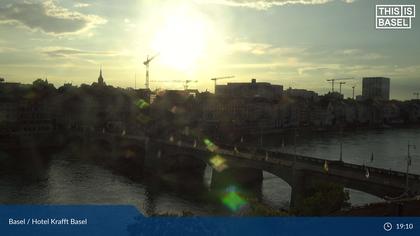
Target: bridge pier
246, 177
173, 163
299, 188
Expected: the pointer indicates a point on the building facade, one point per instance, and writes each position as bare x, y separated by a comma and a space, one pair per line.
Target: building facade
250, 90
376, 88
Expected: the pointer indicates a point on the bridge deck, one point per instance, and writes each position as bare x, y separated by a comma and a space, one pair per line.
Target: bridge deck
283, 159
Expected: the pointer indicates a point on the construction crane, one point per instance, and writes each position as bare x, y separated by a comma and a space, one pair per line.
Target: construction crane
332, 81
417, 95
353, 87
341, 83
186, 82
147, 64
219, 78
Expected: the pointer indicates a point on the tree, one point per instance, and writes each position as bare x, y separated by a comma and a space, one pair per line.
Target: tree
324, 199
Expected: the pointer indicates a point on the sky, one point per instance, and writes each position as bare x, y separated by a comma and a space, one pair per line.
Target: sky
295, 43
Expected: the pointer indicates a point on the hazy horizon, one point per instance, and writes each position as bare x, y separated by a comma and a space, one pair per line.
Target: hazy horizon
295, 43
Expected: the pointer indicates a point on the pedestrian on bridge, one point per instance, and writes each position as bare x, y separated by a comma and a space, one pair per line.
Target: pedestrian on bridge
235, 150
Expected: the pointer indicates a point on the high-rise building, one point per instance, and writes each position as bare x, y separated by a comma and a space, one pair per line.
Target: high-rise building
377, 88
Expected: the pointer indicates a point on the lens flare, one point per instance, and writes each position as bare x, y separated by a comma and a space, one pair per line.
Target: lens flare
210, 145
142, 104
218, 163
233, 200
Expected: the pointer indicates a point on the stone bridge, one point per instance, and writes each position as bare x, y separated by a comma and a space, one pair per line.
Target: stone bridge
300, 172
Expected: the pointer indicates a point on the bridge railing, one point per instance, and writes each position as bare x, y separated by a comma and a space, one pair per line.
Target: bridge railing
290, 157
275, 156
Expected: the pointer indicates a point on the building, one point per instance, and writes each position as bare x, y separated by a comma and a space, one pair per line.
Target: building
376, 88
250, 90
302, 93
101, 81
244, 107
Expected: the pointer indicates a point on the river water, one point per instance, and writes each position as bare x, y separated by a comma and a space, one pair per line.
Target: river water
69, 178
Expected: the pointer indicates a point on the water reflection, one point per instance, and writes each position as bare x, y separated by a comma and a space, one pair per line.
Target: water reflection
67, 177
388, 146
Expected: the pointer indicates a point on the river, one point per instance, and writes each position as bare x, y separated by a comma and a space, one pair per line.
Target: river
69, 178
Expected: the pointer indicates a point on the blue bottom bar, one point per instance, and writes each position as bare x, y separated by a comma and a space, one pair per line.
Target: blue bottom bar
126, 220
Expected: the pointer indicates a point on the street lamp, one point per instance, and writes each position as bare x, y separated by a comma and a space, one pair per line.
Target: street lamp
341, 144
294, 151
409, 146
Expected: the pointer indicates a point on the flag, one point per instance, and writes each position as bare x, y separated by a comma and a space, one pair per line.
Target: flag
326, 166
371, 157
409, 161
367, 174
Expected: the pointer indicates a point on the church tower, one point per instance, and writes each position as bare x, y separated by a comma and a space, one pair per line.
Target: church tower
101, 79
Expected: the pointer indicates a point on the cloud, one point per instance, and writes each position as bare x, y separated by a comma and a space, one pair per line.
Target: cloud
262, 49
77, 56
265, 4
359, 54
72, 53
81, 5
48, 17
7, 49
248, 47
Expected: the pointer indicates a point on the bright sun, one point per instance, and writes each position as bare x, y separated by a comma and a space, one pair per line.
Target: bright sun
182, 40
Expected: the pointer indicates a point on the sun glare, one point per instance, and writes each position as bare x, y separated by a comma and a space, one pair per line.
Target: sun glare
182, 40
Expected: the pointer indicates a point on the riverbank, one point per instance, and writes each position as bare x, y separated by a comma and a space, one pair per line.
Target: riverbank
410, 207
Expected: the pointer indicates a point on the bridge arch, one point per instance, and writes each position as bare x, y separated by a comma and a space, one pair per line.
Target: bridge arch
299, 172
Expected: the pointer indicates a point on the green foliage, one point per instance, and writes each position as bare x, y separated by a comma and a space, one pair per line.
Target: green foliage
260, 209
323, 199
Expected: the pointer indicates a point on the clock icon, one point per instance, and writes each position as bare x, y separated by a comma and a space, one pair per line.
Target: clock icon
387, 226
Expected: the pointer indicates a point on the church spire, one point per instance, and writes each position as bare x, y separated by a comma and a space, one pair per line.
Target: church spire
101, 79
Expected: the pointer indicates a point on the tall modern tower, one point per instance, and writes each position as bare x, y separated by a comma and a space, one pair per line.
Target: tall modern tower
377, 88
